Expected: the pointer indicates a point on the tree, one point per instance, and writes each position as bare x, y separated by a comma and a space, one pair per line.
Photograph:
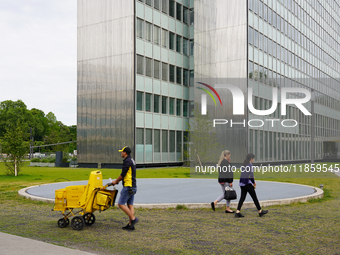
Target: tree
16, 147
203, 143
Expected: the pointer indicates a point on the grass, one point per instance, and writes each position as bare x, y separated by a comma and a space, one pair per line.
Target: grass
301, 228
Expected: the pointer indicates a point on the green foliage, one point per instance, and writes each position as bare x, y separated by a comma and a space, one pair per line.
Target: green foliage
35, 160
64, 160
46, 129
48, 160
15, 146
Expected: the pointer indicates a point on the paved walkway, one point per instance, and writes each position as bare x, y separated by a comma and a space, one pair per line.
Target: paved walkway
16, 245
157, 192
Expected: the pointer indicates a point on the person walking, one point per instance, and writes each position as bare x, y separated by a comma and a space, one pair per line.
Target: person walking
225, 179
128, 176
248, 185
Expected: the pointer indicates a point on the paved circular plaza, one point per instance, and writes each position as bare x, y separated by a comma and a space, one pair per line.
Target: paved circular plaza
194, 193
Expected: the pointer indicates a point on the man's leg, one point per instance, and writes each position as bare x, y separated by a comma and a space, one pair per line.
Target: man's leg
130, 212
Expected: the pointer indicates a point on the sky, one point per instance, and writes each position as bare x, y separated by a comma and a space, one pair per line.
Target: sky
38, 55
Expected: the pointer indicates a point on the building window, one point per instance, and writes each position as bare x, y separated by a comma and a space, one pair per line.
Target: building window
164, 105
148, 31
156, 69
148, 100
172, 141
185, 15
185, 77
157, 4
191, 47
157, 35
178, 107
164, 72
179, 141
148, 2
165, 6
148, 67
178, 43
172, 8
192, 78
250, 36
164, 141
156, 103
140, 26
179, 75
172, 106
191, 109
185, 46
185, 108
171, 41
148, 136
164, 38
140, 65
140, 136
179, 12
140, 97
192, 17
172, 73
156, 140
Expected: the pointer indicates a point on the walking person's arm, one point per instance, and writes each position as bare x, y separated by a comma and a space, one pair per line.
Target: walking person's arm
122, 175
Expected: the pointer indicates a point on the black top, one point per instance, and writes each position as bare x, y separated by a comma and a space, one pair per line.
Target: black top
129, 172
225, 172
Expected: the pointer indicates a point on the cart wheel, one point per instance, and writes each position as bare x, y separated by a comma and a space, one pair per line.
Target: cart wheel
89, 219
77, 223
62, 223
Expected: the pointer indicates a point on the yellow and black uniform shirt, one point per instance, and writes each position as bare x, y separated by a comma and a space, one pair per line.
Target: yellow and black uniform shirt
129, 172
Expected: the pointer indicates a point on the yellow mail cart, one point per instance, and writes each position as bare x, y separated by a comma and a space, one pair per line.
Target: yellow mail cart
81, 201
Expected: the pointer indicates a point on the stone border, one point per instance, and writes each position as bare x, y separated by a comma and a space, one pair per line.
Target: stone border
265, 203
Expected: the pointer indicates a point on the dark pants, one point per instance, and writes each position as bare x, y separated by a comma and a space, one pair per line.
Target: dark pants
248, 189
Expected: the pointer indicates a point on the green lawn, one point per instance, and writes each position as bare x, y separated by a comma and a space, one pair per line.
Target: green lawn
302, 228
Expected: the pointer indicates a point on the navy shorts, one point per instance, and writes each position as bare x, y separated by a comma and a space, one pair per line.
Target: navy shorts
126, 197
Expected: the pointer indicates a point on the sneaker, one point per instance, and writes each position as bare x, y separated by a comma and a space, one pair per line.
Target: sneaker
129, 227
238, 215
213, 206
263, 212
229, 212
134, 222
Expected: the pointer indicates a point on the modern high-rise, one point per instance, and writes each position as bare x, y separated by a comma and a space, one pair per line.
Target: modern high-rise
138, 71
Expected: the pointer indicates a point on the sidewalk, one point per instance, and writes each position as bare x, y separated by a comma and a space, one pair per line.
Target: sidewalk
16, 245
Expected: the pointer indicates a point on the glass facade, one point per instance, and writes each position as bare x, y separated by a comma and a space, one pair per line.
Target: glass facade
139, 90
294, 44
168, 50
105, 79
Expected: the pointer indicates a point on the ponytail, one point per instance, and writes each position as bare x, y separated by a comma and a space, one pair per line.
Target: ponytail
248, 158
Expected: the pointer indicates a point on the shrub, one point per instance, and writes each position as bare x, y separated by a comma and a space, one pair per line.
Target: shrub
35, 160
51, 160
64, 160
45, 160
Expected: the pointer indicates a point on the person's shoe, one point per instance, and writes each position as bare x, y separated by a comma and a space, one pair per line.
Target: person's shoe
263, 212
238, 215
226, 211
129, 227
134, 222
213, 206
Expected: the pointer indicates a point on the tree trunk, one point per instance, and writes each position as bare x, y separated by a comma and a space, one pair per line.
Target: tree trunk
15, 167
